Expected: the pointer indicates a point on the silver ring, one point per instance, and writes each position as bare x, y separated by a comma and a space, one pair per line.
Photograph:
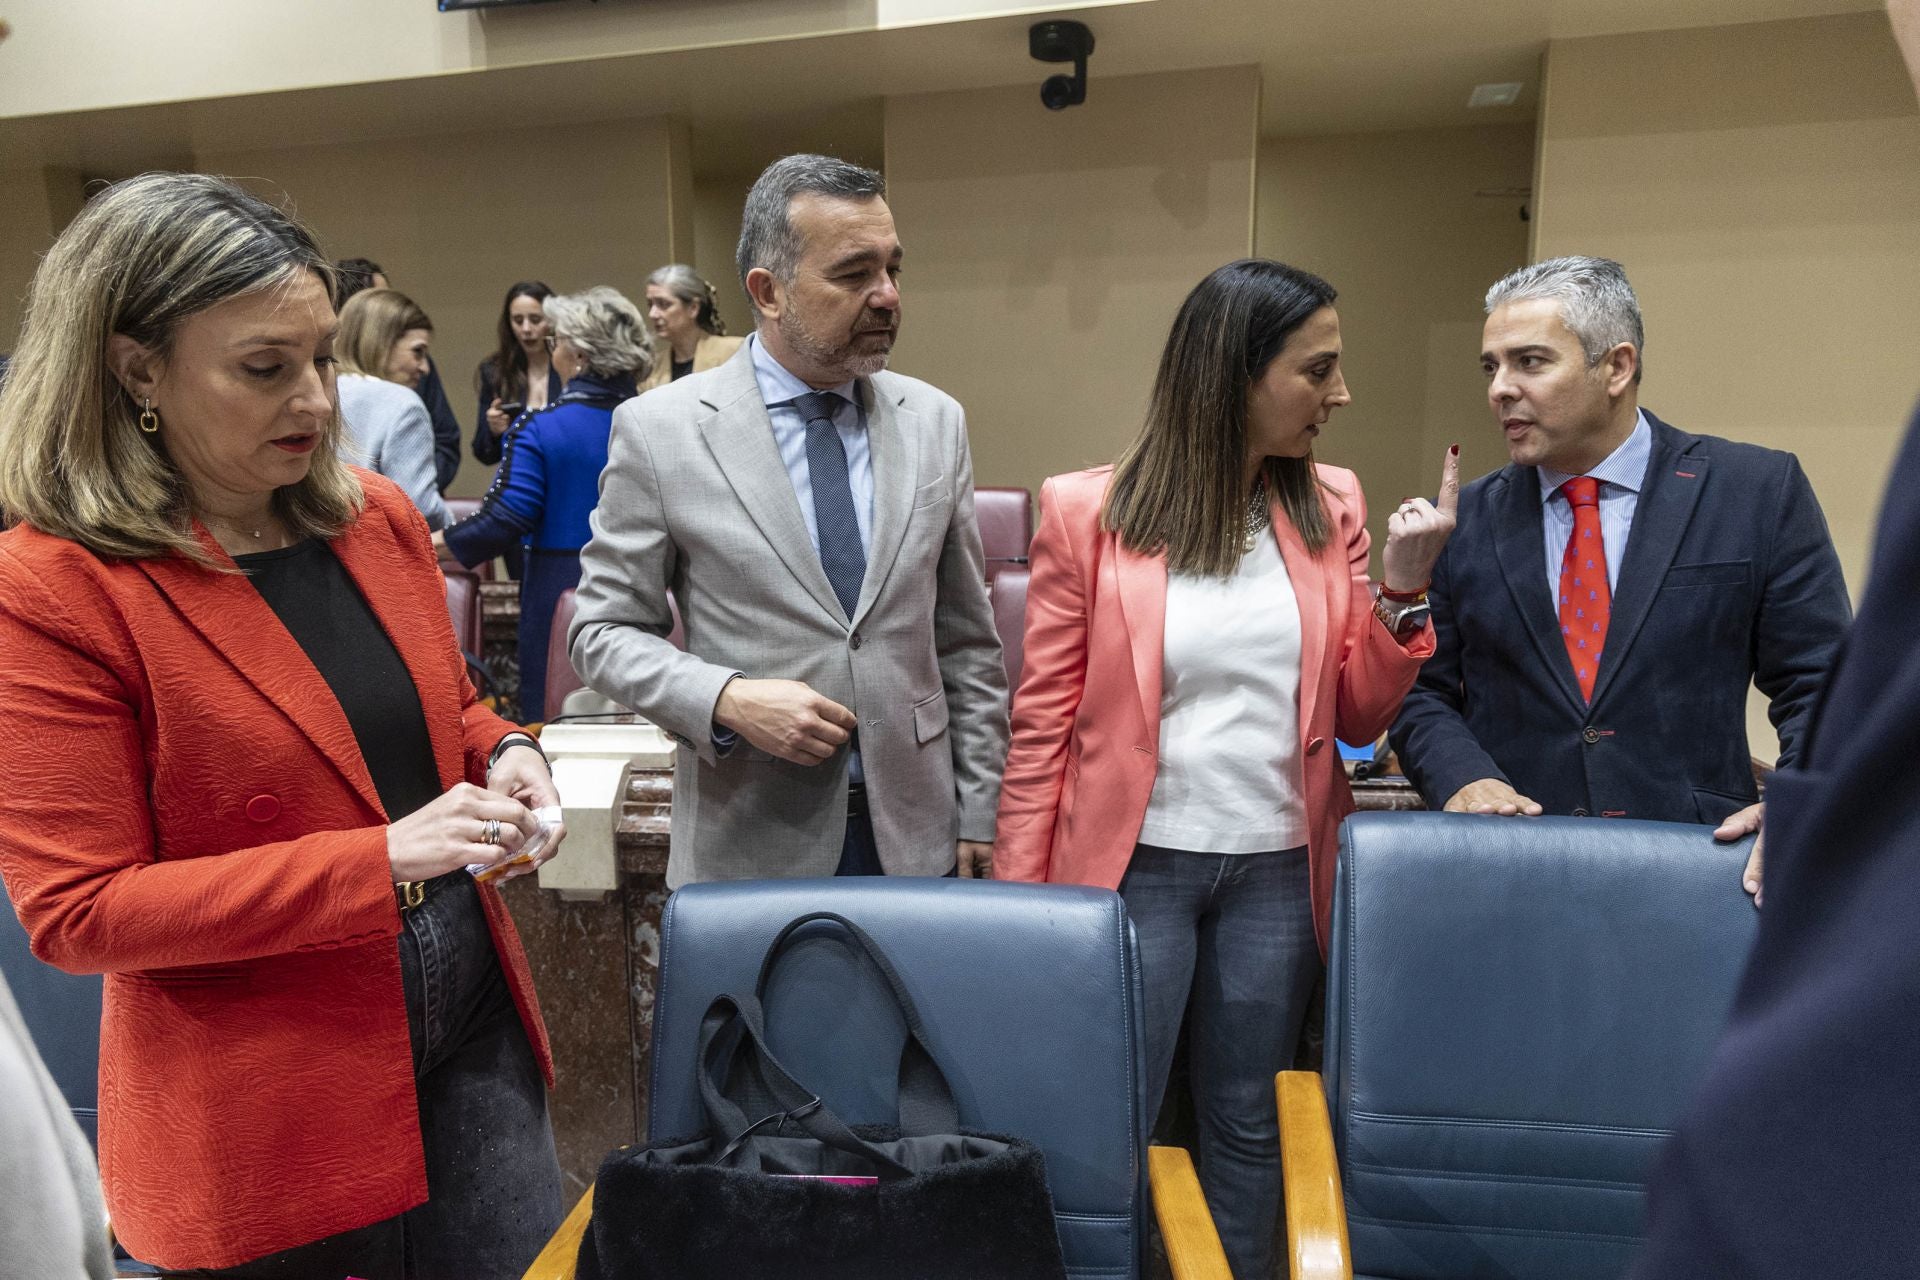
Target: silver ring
491, 833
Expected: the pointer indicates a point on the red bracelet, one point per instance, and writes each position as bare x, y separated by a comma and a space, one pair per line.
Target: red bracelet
1403, 597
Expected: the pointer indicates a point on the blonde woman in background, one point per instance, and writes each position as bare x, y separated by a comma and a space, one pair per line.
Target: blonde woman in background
687, 328
382, 350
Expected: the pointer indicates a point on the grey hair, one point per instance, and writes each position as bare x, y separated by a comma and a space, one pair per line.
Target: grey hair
1596, 303
688, 285
604, 327
767, 237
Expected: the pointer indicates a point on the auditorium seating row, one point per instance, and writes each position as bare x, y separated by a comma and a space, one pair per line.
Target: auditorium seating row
1516, 1012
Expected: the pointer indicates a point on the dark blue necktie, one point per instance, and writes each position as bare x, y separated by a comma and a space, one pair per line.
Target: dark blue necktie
841, 554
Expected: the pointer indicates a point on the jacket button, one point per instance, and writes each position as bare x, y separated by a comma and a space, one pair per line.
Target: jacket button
1579, 813
263, 808
1314, 745
1590, 735
853, 642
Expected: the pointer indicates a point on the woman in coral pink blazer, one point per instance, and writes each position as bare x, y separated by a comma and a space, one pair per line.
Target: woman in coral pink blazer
1200, 627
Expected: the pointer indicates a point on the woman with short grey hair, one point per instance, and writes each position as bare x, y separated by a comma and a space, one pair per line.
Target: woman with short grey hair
550, 464
686, 321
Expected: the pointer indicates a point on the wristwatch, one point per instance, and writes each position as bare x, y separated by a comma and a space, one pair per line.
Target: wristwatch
1400, 617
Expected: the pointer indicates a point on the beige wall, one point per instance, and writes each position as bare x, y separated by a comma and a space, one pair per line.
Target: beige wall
716, 233
454, 221
35, 206
1393, 222
138, 51
1046, 252
1762, 185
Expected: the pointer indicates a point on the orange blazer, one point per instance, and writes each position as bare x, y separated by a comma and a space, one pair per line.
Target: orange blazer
188, 813
1086, 719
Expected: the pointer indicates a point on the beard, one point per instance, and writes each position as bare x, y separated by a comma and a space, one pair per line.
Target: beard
858, 355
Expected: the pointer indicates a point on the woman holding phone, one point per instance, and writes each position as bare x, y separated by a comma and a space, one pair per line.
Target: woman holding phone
1200, 627
518, 377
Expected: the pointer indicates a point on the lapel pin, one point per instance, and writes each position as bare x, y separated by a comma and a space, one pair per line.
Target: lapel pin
1685, 475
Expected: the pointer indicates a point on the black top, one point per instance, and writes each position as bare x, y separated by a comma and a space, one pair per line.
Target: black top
681, 368
334, 626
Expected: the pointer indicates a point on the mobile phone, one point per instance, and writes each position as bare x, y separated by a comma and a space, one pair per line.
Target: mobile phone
512, 408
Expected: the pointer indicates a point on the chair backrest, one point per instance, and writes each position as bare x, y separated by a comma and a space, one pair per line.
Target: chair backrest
562, 679
62, 1013
1005, 516
1031, 999
1007, 591
1517, 1010
463, 607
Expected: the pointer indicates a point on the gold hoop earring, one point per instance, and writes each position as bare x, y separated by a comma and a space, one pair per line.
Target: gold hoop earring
149, 420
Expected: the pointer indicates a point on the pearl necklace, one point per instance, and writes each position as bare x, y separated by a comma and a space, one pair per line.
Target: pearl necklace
1259, 515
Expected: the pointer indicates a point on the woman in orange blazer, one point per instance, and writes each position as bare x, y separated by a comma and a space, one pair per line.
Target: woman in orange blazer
1200, 627
245, 777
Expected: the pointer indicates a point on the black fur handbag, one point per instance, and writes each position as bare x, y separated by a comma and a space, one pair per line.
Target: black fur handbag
779, 1187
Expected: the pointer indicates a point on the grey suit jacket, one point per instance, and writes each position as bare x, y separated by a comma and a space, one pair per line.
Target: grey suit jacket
695, 500
390, 432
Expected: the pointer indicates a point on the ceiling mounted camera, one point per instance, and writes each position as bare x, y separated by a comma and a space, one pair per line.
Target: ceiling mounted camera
1063, 41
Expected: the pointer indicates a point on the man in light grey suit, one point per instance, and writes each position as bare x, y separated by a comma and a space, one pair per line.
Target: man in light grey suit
840, 704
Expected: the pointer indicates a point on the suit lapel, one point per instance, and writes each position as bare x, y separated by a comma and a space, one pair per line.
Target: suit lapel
1518, 542
238, 624
1660, 518
893, 445
1308, 575
1142, 580
740, 436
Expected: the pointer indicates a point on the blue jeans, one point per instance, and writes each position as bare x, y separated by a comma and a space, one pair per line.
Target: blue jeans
493, 1181
1228, 940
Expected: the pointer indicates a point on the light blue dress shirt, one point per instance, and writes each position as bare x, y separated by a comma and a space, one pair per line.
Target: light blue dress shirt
778, 390
1620, 477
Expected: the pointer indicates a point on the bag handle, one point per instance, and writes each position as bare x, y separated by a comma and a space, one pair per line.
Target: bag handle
926, 1103
727, 1020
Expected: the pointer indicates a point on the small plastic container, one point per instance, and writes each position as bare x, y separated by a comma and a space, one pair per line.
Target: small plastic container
548, 816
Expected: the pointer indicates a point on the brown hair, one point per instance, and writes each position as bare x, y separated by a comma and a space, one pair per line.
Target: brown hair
1179, 487
144, 256
371, 322
509, 360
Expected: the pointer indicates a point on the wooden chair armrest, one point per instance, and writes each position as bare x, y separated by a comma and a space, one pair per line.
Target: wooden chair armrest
1193, 1246
557, 1260
1317, 1247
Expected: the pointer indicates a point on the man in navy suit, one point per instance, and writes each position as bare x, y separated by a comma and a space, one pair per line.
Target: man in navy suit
1609, 596
1798, 1156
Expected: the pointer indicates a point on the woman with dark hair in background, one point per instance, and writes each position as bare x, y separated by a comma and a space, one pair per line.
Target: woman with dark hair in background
549, 477
689, 335
251, 773
1200, 626
517, 378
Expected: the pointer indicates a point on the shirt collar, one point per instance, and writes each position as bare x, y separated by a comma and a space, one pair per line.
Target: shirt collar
1625, 467
779, 386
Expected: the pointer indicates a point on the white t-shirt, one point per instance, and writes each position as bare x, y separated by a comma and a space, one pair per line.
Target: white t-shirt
1229, 778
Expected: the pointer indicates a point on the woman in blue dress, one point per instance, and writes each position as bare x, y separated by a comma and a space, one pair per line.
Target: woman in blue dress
550, 463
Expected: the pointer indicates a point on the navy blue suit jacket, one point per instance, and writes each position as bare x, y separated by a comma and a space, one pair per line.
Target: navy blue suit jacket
1729, 578
1798, 1157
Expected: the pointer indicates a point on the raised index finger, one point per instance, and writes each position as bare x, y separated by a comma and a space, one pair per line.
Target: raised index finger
1449, 502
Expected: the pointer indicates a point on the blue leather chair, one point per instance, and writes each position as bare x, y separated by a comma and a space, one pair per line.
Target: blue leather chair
1031, 999
1517, 1011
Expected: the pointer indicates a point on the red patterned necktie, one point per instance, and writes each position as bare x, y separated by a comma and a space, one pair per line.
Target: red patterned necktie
1586, 603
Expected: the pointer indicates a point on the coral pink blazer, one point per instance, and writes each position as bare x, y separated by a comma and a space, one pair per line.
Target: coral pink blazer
1086, 719
187, 811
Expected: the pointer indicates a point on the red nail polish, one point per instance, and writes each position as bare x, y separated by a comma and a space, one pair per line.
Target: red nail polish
1454, 450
